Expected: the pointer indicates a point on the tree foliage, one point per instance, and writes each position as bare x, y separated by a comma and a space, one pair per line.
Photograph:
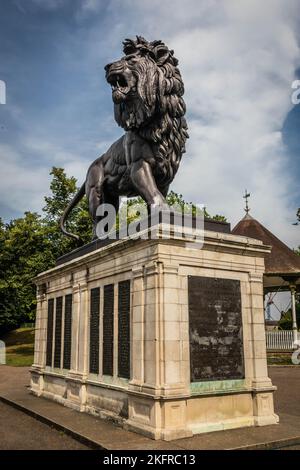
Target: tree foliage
286, 320
25, 251
175, 201
63, 189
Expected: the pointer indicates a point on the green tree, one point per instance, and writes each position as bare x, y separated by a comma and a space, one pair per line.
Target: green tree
24, 253
286, 321
63, 188
174, 200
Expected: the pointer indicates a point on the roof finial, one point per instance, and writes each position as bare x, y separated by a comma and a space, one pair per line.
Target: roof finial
246, 196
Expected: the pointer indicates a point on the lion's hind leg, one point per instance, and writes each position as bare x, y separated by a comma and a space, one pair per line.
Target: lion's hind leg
94, 191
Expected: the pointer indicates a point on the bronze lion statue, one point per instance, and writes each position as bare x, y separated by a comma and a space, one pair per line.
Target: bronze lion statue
147, 92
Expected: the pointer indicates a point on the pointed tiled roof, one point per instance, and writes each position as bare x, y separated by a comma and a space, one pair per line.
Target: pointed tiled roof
282, 260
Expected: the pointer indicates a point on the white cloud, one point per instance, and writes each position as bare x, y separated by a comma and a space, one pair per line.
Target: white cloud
21, 183
90, 5
49, 4
25, 181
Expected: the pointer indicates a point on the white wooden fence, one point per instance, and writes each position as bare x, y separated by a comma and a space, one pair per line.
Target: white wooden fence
280, 340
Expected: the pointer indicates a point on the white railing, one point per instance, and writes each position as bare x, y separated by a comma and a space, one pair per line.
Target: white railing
280, 340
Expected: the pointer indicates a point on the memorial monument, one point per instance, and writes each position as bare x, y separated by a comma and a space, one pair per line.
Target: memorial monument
163, 336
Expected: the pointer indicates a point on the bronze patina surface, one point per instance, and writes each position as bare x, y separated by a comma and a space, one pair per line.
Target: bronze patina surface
147, 91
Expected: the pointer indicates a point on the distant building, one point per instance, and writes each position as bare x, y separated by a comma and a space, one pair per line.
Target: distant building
282, 265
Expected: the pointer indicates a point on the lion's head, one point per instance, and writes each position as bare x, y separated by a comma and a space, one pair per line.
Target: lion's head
147, 91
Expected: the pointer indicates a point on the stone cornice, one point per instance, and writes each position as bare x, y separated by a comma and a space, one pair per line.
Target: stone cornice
213, 241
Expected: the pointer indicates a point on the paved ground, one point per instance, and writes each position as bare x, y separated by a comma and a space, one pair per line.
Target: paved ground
18, 431
287, 380
13, 382
290, 448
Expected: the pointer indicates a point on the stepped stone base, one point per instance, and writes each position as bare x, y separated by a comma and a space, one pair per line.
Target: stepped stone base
151, 351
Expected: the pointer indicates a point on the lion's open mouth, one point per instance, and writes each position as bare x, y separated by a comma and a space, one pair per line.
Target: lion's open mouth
119, 85
117, 80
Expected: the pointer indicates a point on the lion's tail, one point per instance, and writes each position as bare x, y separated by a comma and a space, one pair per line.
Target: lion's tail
76, 199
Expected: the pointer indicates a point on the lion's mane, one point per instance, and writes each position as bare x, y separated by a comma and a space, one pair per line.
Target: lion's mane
159, 113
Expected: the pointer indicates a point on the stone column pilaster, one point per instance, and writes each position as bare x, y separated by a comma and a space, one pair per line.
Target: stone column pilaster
75, 328
258, 335
43, 331
80, 343
160, 352
40, 328
40, 341
137, 329
83, 346
263, 405
37, 330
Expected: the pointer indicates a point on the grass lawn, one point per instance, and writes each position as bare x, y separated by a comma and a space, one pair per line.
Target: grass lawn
280, 359
19, 347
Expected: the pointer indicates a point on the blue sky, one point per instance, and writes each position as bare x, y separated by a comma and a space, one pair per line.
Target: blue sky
238, 60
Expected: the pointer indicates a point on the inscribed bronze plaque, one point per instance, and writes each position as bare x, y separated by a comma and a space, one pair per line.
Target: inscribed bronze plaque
58, 325
215, 328
108, 329
68, 331
49, 332
94, 330
124, 329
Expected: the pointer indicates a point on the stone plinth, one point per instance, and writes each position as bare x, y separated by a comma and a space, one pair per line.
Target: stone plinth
117, 331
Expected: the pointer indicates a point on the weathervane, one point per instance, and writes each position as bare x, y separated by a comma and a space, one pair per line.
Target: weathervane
246, 196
